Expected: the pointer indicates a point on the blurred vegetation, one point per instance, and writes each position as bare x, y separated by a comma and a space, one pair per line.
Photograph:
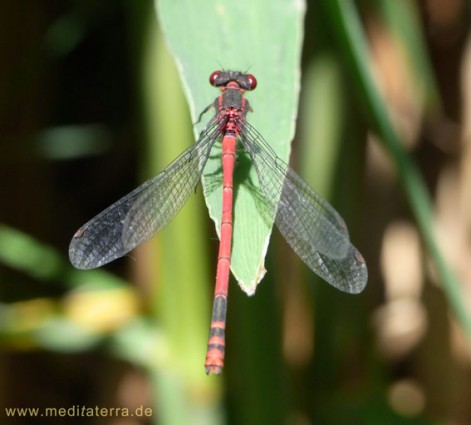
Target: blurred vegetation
92, 105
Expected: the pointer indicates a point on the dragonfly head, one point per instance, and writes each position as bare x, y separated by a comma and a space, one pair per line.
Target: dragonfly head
222, 78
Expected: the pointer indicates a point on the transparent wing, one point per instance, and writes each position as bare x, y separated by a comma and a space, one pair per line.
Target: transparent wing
144, 211
310, 225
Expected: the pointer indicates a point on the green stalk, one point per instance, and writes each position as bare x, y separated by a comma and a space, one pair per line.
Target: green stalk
179, 255
350, 35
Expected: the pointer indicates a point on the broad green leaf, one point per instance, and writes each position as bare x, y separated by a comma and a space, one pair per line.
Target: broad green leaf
263, 37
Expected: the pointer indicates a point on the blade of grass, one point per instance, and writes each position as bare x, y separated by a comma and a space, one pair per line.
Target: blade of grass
262, 36
180, 301
24, 253
183, 304
402, 18
343, 15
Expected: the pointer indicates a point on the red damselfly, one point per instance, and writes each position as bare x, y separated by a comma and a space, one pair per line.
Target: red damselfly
312, 227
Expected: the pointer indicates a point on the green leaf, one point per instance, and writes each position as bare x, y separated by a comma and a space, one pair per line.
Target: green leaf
402, 17
343, 15
263, 37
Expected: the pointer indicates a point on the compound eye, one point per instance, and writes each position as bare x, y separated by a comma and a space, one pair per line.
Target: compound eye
213, 78
252, 81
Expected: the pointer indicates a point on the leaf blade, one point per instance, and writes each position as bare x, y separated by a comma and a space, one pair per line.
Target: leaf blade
265, 37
